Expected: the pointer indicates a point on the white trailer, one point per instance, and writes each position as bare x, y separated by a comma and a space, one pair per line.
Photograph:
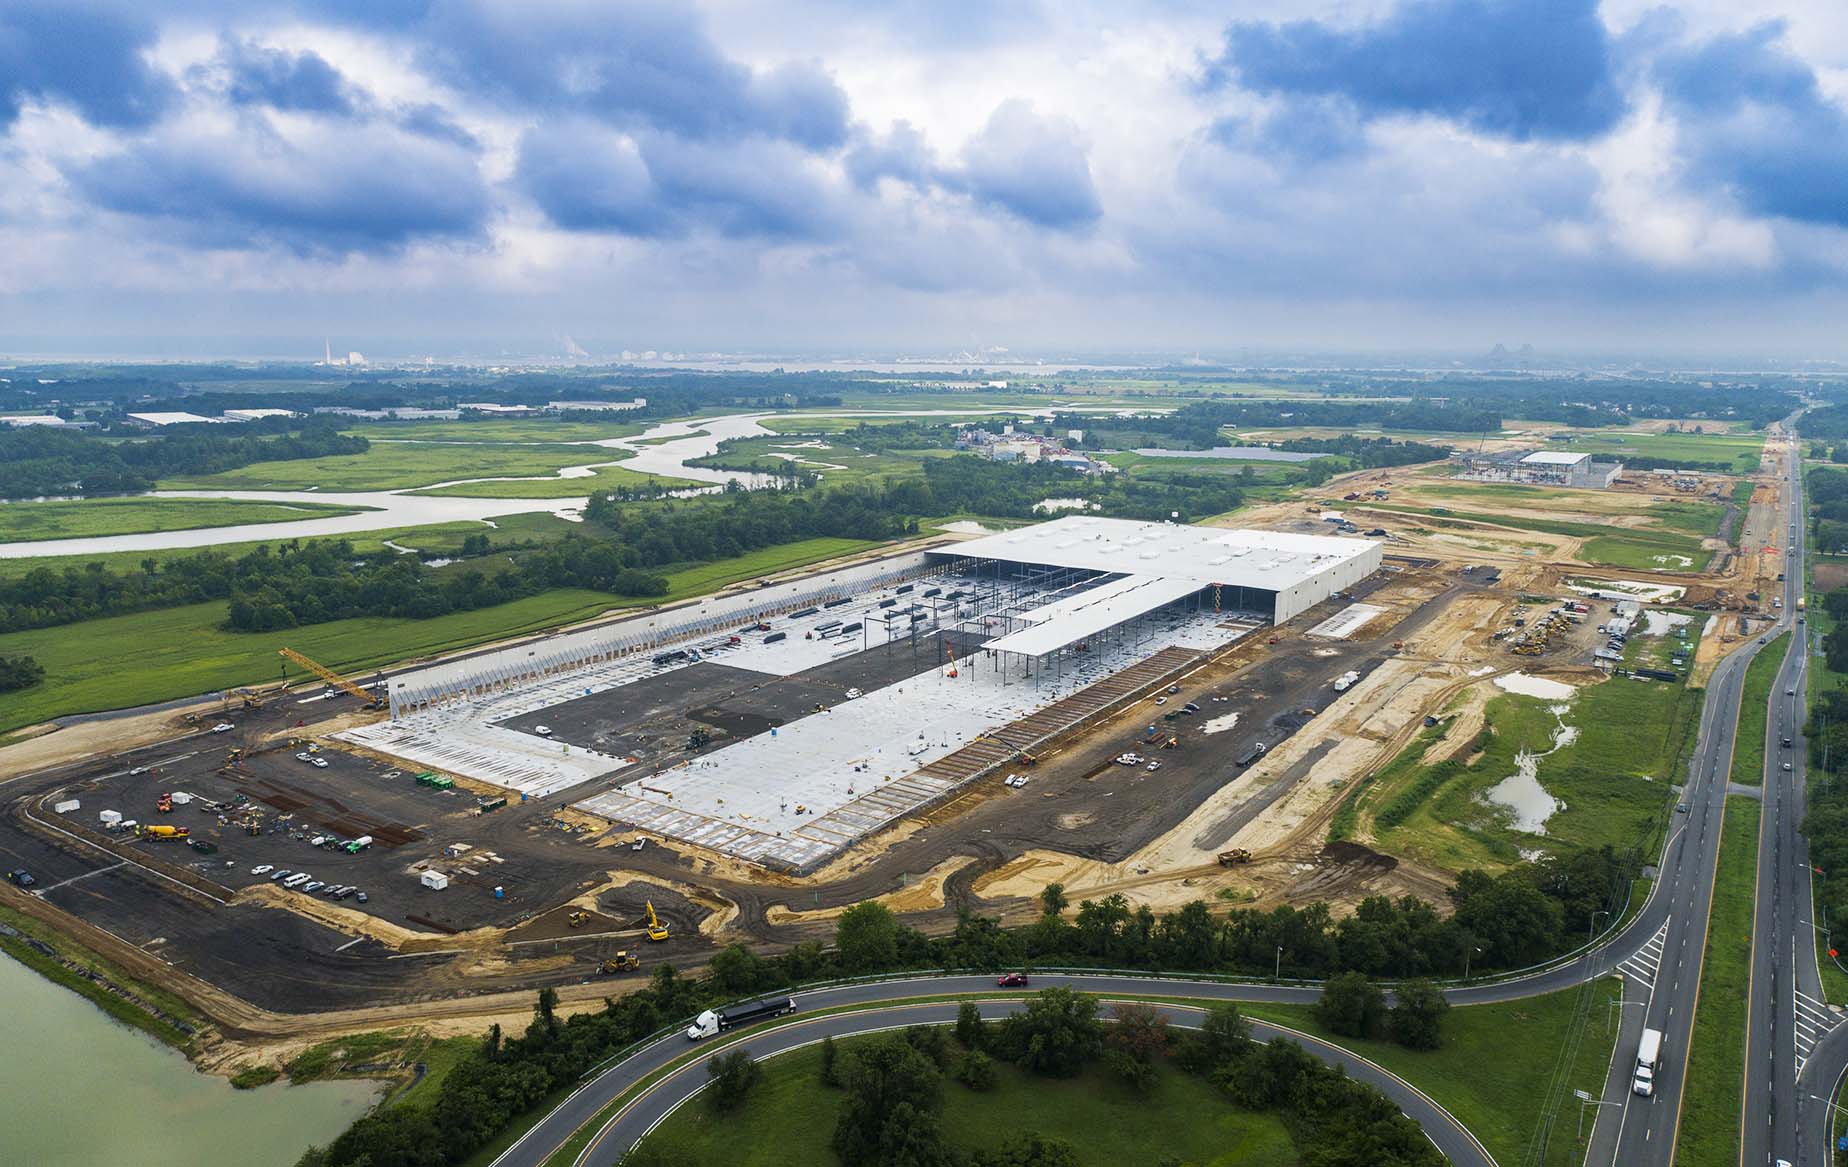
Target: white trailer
1648, 1060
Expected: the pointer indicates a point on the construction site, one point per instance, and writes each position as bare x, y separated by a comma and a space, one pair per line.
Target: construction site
1167, 712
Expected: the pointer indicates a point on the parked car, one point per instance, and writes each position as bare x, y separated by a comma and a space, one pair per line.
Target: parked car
223, 727
263, 869
543, 730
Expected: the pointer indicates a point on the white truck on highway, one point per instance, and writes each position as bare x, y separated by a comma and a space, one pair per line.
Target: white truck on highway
1648, 1058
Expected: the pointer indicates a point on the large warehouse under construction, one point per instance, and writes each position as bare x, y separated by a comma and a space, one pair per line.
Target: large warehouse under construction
782, 724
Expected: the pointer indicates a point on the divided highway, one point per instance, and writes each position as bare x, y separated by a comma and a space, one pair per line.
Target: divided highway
1787, 1011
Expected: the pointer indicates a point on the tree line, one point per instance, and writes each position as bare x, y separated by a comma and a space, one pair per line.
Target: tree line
1508, 920
38, 461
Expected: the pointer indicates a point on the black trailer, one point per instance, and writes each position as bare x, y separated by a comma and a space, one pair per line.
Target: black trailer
804, 612
776, 636
839, 602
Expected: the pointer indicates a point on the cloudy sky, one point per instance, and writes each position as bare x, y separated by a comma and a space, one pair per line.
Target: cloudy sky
852, 175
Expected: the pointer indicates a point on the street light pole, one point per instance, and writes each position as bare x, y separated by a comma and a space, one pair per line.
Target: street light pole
1592, 932
1277, 973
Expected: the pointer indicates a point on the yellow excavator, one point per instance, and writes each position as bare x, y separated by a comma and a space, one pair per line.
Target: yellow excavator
657, 931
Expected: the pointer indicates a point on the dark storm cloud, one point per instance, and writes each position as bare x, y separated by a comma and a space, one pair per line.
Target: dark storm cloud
586, 178
1754, 121
87, 56
1522, 69
1031, 166
296, 81
634, 65
367, 189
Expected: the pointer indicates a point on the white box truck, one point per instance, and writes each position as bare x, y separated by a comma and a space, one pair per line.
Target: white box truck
1648, 1059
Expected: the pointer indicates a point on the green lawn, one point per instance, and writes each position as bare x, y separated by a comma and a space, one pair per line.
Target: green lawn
1636, 450
790, 1118
398, 465
26, 522
538, 430
602, 478
1749, 746
1716, 1062
1613, 778
431, 538
122, 661
835, 460
1563, 1046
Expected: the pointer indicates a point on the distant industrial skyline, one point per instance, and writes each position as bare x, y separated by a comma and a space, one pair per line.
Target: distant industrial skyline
575, 179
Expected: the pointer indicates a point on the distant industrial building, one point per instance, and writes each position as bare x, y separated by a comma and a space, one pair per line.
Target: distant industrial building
256, 414
45, 419
159, 419
595, 406
1542, 468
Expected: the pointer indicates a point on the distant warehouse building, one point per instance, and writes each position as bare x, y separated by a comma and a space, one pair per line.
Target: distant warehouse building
1543, 468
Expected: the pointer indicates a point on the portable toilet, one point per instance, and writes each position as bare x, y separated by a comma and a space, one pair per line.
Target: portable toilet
500, 893
434, 880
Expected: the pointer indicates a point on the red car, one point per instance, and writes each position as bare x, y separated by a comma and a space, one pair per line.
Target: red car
1011, 980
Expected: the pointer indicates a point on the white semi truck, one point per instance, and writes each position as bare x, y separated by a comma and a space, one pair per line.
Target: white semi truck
1648, 1059
714, 1021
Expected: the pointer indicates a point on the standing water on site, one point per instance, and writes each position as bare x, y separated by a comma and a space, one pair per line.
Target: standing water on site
1520, 793
80, 1089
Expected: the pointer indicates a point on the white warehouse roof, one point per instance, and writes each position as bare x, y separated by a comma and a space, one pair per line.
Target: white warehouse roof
171, 418
1553, 458
1264, 560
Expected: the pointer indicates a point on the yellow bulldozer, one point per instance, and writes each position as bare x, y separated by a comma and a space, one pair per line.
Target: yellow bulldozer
624, 961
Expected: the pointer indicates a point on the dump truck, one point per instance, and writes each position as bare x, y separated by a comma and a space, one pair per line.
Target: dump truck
1234, 857
578, 919
716, 1021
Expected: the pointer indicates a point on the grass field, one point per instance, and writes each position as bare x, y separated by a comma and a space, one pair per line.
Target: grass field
1258, 472
790, 1118
431, 538
601, 479
538, 430
1501, 1099
1636, 450
1749, 745
1716, 1062
27, 522
124, 661
1611, 779
833, 459
398, 465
